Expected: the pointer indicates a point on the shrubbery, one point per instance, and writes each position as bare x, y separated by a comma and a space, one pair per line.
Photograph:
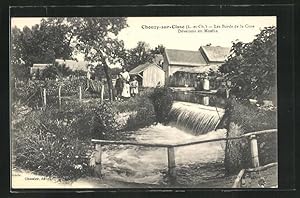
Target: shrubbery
144, 116
243, 118
151, 105
57, 143
162, 100
142, 107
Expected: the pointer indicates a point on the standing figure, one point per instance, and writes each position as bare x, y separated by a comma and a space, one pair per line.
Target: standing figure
206, 83
88, 76
126, 87
134, 87
198, 84
119, 86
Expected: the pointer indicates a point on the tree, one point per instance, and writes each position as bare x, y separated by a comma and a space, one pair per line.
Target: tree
96, 39
251, 67
41, 44
158, 50
56, 70
137, 55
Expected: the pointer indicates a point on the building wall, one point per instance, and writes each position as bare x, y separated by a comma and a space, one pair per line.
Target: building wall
152, 76
166, 67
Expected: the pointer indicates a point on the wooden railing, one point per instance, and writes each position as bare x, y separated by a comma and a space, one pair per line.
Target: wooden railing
60, 97
171, 152
238, 181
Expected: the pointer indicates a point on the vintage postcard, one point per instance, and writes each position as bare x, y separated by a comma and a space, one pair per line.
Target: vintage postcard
143, 102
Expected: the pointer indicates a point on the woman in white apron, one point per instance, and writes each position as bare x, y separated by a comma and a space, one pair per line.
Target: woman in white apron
126, 87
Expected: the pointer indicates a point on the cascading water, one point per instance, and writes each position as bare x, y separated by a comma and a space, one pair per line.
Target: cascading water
194, 163
196, 118
145, 165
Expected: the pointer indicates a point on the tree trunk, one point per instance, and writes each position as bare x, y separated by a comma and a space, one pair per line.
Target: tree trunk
109, 81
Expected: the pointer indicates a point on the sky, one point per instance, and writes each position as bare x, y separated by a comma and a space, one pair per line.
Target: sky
172, 32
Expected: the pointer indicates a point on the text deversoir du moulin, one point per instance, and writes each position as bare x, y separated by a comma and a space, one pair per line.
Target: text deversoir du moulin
214, 28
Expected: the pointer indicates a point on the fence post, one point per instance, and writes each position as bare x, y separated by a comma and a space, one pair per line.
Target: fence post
44, 97
98, 165
80, 93
59, 97
254, 151
171, 165
102, 92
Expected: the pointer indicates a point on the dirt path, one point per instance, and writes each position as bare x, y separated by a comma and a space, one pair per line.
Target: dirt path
24, 179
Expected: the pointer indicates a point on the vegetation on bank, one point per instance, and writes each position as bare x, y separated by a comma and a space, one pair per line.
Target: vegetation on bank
57, 143
242, 117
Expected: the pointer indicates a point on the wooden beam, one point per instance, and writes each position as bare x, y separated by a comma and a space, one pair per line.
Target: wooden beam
80, 93
102, 93
254, 151
261, 168
237, 181
129, 143
59, 97
98, 161
45, 97
260, 132
171, 165
182, 144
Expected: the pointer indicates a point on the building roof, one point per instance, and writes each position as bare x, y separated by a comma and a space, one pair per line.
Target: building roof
215, 53
40, 66
185, 57
73, 64
198, 69
142, 67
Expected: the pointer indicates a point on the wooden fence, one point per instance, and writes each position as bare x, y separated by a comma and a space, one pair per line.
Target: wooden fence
60, 97
238, 181
171, 152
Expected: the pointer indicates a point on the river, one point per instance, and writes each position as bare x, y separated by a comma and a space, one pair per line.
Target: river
149, 165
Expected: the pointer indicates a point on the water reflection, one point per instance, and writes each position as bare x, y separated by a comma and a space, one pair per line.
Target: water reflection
200, 98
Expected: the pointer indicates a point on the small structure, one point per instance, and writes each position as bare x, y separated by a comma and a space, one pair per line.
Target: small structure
183, 66
37, 69
182, 60
73, 64
149, 75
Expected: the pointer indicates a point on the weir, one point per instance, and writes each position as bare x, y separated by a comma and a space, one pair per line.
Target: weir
196, 118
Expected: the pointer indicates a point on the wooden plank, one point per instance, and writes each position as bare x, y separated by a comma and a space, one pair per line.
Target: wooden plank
254, 151
80, 93
224, 139
102, 93
261, 168
182, 144
45, 97
171, 165
260, 132
237, 181
207, 141
59, 97
98, 160
130, 143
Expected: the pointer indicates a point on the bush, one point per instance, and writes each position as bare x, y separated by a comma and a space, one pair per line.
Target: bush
57, 143
51, 153
142, 107
243, 118
56, 70
145, 116
162, 100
